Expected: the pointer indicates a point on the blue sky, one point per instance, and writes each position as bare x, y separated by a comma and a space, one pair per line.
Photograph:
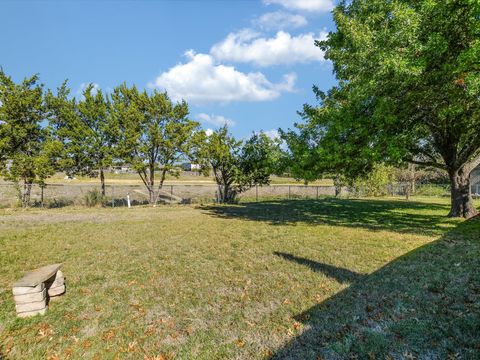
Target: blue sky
249, 63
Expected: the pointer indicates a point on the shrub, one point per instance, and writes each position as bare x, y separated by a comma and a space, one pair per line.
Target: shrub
374, 183
433, 190
94, 198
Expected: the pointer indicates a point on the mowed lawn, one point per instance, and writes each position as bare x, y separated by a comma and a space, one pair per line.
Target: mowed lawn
285, 279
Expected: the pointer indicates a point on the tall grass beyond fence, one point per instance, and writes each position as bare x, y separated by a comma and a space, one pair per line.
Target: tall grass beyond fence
60, 195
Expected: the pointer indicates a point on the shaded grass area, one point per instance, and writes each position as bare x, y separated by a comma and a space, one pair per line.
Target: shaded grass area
425, 216
425, 304
287, 279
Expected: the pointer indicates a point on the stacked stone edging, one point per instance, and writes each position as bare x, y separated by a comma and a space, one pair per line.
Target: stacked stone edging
32, 292
30, 301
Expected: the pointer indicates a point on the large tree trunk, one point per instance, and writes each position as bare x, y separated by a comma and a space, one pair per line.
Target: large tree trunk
337, 183
102, 181
461, 199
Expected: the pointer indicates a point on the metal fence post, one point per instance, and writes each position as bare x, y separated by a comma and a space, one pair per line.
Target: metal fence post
317, 192
41, 195
288, 192
171, 192
256, 192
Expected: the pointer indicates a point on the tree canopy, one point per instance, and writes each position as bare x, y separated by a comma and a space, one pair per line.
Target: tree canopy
85, 129
28, 152
153, 133
408, 91
237, 165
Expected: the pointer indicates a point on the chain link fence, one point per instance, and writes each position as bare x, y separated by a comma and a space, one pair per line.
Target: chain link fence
60, 195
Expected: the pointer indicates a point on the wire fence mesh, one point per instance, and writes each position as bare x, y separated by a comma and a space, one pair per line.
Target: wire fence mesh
60, 195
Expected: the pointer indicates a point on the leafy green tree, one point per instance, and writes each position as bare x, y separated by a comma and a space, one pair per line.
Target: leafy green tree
28, 153
154, 134
375, 183
408, 91
237, 166
85, 128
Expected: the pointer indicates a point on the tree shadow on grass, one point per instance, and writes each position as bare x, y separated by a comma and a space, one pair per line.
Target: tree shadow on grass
393, 215
423, 305
340, 274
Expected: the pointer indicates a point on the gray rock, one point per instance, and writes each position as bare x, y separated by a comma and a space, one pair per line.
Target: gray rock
33, 313
32, 306
22, 290
32, 297
59, 290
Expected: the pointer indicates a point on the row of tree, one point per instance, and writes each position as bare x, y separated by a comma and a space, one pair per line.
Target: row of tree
408, 92
42, 132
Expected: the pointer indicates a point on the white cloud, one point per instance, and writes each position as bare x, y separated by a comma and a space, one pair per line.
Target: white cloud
201, 80
246, 46
272, 134
208, 132
280, 20
217, 120
304, 5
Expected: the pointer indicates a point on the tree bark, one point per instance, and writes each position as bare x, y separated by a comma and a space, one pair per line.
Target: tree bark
461, 199
27, 190
413, 179
151, 195
102, 181
151, 183
338, 185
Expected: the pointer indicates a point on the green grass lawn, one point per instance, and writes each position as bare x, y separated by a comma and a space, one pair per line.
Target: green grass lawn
284, 279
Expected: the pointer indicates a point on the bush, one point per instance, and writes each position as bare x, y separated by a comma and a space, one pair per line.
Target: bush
375, 183
94, 198
433, 190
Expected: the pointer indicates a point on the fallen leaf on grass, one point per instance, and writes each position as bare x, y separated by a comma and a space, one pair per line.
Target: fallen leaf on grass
68, 353
267, 353
85, 291
239, 342
108, 335
9, 346
44, 331
132, 346
149, 331
137, 307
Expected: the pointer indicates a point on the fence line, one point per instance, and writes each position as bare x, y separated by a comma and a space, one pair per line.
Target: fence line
58, 195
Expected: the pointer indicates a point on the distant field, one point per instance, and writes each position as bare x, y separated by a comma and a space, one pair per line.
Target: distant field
285, 279
134, 179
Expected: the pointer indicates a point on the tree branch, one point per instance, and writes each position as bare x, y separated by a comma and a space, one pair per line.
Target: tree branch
428, 163
469, 167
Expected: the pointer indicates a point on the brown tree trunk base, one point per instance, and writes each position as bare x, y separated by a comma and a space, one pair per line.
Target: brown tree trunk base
461, 199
